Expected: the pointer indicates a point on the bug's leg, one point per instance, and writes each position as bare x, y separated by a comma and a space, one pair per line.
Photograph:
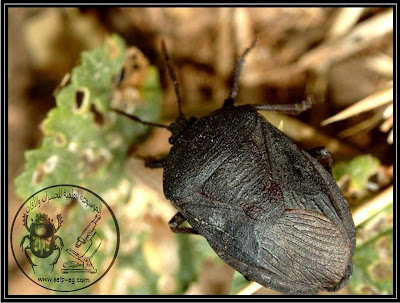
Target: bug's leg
153, 162
25, 222
60, 221
177, 220
29, 258
291, 109
56, 259
61, 241
23, 241
323, 156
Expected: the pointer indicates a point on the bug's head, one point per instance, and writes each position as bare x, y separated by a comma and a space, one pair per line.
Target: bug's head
178, 127
42, 218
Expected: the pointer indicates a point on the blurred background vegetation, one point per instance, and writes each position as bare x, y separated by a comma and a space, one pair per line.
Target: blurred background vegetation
341, 56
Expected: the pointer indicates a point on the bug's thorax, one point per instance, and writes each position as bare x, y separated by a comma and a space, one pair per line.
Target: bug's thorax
182, 124
208, 140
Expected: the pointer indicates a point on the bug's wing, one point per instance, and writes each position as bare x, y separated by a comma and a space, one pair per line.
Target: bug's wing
242, 182
295, 219
304, 183
305, 250
301, 253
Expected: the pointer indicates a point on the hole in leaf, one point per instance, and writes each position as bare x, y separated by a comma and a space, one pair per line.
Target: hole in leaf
98, 117
79, 97
60, 139
93, 161
119, 77
39, 174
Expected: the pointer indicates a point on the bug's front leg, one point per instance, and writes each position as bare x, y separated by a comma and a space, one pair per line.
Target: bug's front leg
60, 221
151, 162
177, 220
323, 156
25, 222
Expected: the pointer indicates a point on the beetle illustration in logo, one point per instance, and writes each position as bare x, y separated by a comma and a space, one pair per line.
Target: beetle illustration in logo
42, 238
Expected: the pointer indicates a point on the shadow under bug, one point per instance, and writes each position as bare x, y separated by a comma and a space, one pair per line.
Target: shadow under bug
268, 209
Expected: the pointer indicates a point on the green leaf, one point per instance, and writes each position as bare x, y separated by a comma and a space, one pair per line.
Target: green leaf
373, 258
76, 148
87, 145
359, 169
193, 251
98, 69
147, 279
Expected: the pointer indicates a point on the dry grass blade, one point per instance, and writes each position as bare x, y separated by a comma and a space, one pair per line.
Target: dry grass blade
390, 137
381, 64
360, 37
250, 289
345, 19
388, 115
362, 126
387, 125
372, 207
388, 112
372, 101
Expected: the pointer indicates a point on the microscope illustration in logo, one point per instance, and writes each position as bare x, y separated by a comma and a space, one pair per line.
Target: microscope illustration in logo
42, 238
83, 263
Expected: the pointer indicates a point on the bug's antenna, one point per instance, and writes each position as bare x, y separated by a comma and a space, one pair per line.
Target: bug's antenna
172, 75
134, 118
238, 69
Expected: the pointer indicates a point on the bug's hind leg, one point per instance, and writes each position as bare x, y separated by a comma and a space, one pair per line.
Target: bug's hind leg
177, 220
56, 259
323, 156
29, 258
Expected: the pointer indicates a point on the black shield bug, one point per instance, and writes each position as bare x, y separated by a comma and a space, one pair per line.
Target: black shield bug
267, 208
